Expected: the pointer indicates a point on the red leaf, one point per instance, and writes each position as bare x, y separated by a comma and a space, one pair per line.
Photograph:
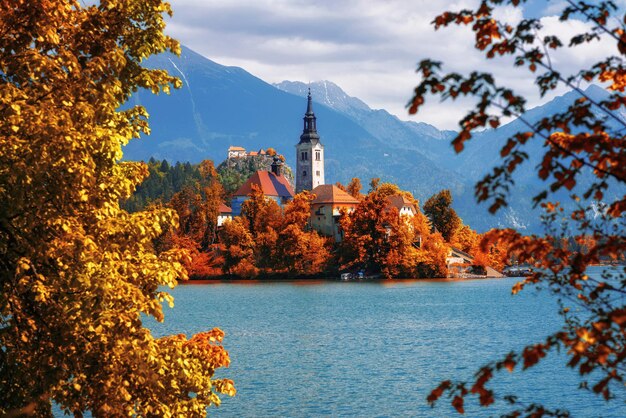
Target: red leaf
457, 403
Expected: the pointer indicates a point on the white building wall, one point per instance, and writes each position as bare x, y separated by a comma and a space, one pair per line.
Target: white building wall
309, 169
317, 168
222, 218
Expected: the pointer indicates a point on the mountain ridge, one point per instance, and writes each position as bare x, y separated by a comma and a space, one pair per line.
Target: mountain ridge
219, 106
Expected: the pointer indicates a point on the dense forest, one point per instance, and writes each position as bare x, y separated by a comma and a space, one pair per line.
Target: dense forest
163, 181
267, 240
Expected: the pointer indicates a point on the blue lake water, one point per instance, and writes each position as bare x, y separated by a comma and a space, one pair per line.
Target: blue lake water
375, 349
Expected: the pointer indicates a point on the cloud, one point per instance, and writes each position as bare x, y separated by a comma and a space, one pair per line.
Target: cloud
370, 49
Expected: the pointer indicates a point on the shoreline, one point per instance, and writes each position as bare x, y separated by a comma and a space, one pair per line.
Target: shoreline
321, 280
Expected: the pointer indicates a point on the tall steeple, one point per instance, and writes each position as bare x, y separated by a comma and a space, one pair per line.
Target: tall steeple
309, 153
309, 133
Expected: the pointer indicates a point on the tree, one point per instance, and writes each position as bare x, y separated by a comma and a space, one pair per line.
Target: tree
378, 239
374, 184
439, 209
197, 206
354, 188
581, 155
300, 250
266, 240
298, 211
465, 239
239, 248
76, 271
365, 243
260, 212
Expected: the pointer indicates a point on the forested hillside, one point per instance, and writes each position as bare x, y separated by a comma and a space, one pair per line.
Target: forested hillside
164, 181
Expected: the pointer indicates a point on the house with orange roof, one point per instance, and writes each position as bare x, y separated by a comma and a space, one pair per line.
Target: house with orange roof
273, 184
257, 153
404, 205
326, 209
226, 213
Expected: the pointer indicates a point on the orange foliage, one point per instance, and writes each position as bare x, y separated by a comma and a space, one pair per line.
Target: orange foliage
583, 157
354, 188
465, 239
379, 240
267, 240
197, 207
78, 274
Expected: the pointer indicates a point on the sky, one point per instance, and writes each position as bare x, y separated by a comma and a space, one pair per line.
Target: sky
370, 48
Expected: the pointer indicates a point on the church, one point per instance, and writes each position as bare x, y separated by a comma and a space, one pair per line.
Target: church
309, 168
309, 175
309, 153
329, 199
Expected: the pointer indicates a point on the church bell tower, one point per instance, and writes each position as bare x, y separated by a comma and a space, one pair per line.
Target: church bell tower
309, 153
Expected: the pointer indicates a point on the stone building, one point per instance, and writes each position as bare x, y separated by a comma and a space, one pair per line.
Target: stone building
326, 209
236, 152
309, 153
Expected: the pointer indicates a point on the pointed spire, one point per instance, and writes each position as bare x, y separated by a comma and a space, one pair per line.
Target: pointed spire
309, 133
309, 107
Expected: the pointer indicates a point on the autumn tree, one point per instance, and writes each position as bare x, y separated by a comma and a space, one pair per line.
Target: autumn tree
76, 271
268, 240
261, 214
354, 188
340, 186
197, 206
581, 156
443, 217
263, 218
365, 243
432, 256
378, 239
465, 239
300, 250
492, 253
239, 248
298, 211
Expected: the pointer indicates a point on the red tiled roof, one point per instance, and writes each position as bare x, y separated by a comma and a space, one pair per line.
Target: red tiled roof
225, 209
253, 153
233, 148
400, 201
269, 183
329, 193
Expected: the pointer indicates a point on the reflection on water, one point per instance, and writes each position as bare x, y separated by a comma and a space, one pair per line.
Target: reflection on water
374, 349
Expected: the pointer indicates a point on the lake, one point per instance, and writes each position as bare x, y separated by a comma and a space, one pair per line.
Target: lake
375, 349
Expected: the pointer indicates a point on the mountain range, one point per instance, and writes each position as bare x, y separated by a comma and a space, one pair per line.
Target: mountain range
219, 106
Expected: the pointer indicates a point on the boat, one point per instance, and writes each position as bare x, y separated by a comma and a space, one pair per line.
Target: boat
346, 277
517, 271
